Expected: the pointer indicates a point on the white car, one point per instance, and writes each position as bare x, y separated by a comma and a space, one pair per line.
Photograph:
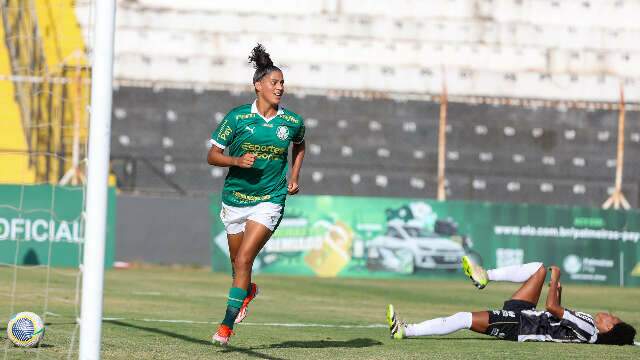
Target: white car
425, 250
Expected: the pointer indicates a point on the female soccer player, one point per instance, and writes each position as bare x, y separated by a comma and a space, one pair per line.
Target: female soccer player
257, 137
518, 319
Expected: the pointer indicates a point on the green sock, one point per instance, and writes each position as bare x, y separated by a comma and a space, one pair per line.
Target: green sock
234, 303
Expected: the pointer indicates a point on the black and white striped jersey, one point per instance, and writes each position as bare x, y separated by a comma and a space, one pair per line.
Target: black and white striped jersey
575, 326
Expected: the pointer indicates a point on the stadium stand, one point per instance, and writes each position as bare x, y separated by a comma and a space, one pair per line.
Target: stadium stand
532, 116
523, 48
385, 147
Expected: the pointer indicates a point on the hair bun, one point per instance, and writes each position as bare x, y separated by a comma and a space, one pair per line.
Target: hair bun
260, 58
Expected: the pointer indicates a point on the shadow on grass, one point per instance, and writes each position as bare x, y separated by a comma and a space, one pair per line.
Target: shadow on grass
431, 338
313, 344
227, 349
319, 344
40, 346
248, 352
159, 331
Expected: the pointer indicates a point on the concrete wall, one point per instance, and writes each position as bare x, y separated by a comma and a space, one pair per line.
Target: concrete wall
163, 230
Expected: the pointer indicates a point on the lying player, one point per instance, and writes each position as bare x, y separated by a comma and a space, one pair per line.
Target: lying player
518, 319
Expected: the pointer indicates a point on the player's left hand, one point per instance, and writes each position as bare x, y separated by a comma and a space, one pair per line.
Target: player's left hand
293, 187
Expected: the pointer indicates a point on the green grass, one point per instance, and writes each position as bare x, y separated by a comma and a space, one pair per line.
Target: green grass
198, 295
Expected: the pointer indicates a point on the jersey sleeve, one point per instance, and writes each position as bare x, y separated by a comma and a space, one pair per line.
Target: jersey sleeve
223, 135
298, 137
582, 324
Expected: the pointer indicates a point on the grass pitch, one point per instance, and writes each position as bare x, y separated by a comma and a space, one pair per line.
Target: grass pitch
170, 313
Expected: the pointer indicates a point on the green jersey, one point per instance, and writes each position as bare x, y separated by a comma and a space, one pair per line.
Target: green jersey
244, 130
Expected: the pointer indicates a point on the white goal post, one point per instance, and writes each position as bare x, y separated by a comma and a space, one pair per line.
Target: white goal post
97, 180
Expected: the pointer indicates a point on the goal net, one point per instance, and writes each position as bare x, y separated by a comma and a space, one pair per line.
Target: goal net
44, 96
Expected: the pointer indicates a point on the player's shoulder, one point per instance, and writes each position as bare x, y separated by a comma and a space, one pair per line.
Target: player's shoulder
291, 116
581, 315
239, 112
578, 317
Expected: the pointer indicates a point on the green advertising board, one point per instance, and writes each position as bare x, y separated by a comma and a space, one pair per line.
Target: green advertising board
389, 237
43, 225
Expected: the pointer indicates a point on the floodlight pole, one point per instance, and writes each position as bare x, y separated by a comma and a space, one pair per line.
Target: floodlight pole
617, 199
98, 172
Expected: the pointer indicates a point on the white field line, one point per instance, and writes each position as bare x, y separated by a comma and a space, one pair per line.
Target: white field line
158, 293
294, 325
148, 293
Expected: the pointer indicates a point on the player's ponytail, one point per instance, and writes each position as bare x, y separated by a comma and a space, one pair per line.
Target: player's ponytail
621, 334
261, 62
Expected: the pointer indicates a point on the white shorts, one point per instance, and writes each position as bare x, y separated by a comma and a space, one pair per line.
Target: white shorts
234, 218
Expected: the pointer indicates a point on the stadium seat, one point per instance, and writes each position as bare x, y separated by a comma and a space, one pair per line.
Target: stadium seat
500, 53
494, 153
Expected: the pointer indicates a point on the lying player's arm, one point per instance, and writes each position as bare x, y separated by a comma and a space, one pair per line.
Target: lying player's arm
297, 155
555, 291
559, 293
217, 157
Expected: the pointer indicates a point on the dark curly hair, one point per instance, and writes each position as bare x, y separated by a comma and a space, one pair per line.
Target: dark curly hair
261, 62
621, 334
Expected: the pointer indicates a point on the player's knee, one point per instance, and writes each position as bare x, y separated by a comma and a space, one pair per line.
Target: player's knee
243, 263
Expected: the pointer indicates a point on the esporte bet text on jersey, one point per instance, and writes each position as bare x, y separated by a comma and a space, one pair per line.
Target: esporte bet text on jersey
244, 130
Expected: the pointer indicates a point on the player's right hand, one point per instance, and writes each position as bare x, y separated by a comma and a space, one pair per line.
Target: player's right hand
555, 272
246, 161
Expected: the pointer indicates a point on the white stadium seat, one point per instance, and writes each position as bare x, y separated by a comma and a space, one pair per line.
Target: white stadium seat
500, 48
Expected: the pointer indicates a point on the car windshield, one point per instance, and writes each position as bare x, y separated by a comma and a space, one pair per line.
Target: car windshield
417, 232
393, 233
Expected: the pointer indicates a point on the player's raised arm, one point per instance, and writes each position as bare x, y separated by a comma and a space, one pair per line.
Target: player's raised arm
559, 293
553, 297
